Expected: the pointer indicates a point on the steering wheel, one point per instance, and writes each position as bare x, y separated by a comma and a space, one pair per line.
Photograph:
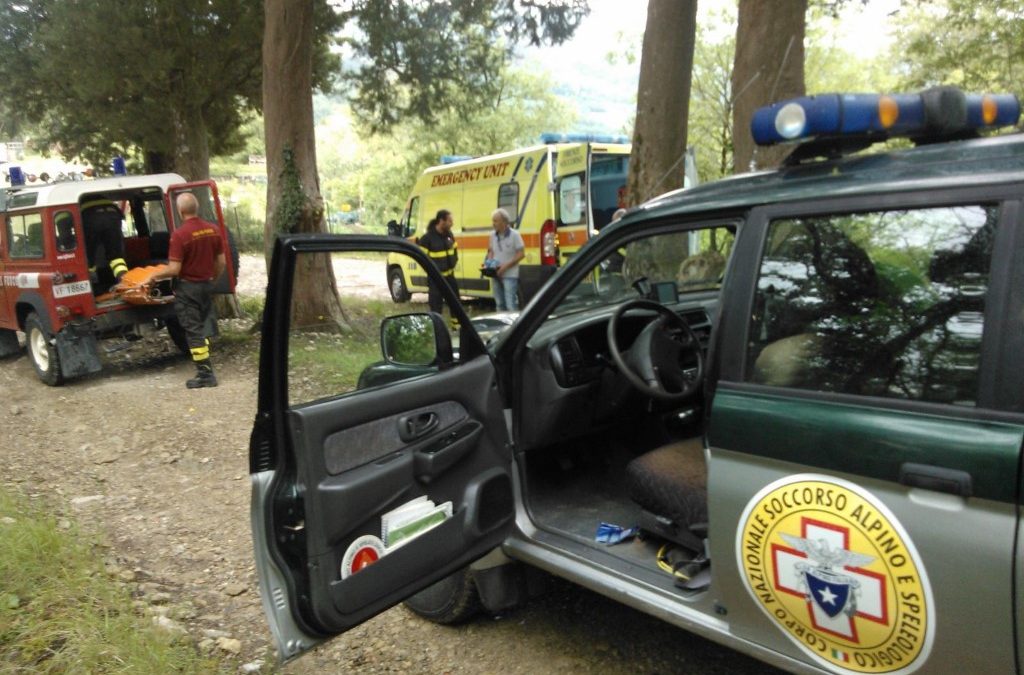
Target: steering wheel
654, 364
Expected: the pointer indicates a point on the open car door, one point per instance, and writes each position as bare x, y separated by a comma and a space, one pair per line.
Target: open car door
362, 497
205, 192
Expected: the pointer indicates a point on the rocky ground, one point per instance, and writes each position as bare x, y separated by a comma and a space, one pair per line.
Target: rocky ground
160, 472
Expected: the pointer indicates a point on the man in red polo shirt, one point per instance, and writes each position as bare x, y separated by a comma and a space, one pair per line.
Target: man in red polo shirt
196, 258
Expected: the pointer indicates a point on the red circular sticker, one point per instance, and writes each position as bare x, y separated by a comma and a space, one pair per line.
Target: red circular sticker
362, 552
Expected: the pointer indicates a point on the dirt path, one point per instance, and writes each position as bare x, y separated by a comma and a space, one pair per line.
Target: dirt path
161, 473
363, 278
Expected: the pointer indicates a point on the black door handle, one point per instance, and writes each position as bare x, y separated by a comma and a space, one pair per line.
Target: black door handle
411, 427
936, 478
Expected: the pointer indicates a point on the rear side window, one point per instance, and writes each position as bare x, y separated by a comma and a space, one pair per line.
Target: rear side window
508, 199
64, 231
571, 200
889, 303
25, 232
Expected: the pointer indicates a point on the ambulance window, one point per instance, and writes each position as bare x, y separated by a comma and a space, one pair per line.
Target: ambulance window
890, 303
570, 200
411, 220
26, 235
64, 231
508, 199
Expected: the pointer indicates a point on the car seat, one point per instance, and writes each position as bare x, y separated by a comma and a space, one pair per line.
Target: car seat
670, 484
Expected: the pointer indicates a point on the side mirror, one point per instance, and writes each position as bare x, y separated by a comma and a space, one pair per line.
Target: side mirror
394, 229
416, 340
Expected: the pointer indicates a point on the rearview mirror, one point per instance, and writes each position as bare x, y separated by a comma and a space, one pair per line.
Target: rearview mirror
394, 229
415, 340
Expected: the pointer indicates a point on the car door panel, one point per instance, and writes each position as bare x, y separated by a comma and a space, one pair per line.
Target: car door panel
327, 471
348, 504
946, 530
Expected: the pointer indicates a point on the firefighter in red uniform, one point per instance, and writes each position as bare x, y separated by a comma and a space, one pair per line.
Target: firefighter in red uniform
196, 258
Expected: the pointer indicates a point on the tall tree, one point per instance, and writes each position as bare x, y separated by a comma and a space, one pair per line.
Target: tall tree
169, 77
657, 162
294, 203
769, 66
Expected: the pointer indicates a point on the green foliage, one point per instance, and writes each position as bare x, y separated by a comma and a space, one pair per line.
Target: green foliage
974, 44
409, 339
376, 174
60, 612
419, 59
101, 78
293, 203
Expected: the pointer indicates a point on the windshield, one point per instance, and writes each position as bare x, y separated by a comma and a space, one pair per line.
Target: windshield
664, 267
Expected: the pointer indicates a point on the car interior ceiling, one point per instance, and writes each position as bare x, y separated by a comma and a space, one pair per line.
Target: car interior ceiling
578, 450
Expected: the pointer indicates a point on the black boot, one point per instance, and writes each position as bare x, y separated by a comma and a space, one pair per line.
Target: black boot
204, 376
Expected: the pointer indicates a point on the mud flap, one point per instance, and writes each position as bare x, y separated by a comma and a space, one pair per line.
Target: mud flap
8, 343
78, 351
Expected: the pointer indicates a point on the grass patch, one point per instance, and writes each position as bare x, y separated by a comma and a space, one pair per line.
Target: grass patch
323, 364
60, 613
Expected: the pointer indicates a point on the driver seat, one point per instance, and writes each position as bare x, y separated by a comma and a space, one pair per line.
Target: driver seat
670, 484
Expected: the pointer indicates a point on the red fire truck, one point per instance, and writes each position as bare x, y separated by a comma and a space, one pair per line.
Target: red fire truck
49, 292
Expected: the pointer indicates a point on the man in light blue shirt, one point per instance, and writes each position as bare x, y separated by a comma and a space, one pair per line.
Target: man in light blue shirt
506, 249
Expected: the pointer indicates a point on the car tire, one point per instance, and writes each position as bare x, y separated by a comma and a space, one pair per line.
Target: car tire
396, 284
41, 352
178, 336
451, 600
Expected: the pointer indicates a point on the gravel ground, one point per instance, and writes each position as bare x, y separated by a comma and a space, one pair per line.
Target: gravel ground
161, 473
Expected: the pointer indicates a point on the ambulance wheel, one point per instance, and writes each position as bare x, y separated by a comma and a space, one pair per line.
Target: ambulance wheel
177, 334
396, 284
451, 600
41, 352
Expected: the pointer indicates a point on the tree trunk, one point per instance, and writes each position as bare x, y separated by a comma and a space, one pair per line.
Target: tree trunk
657, 162
769, 66
294, 203
158, 162
191, 145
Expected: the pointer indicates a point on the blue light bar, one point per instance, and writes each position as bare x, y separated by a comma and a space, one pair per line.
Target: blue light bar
939, 112
119, 167
451, 159
553, 137
992, 110
17, 175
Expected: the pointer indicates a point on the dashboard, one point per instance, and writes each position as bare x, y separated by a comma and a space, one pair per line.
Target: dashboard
570, 385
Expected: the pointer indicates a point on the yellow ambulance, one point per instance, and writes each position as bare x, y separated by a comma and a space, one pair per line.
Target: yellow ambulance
557, 193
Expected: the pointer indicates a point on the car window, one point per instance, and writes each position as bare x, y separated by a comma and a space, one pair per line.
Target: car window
25, 233
64, 231
887, 303
571, 199
325, 362
664, 266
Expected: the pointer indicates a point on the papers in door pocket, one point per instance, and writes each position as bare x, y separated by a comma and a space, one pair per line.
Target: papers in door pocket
412, 519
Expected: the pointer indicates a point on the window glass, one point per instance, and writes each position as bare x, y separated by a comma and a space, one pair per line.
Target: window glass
203, 195
64, 231
877, 304
508, 199
664, 267
411, 219
25, 232
324, 362
156, 216
607, 187
571, 200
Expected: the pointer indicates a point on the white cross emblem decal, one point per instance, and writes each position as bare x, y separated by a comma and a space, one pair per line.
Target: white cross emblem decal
868, 588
